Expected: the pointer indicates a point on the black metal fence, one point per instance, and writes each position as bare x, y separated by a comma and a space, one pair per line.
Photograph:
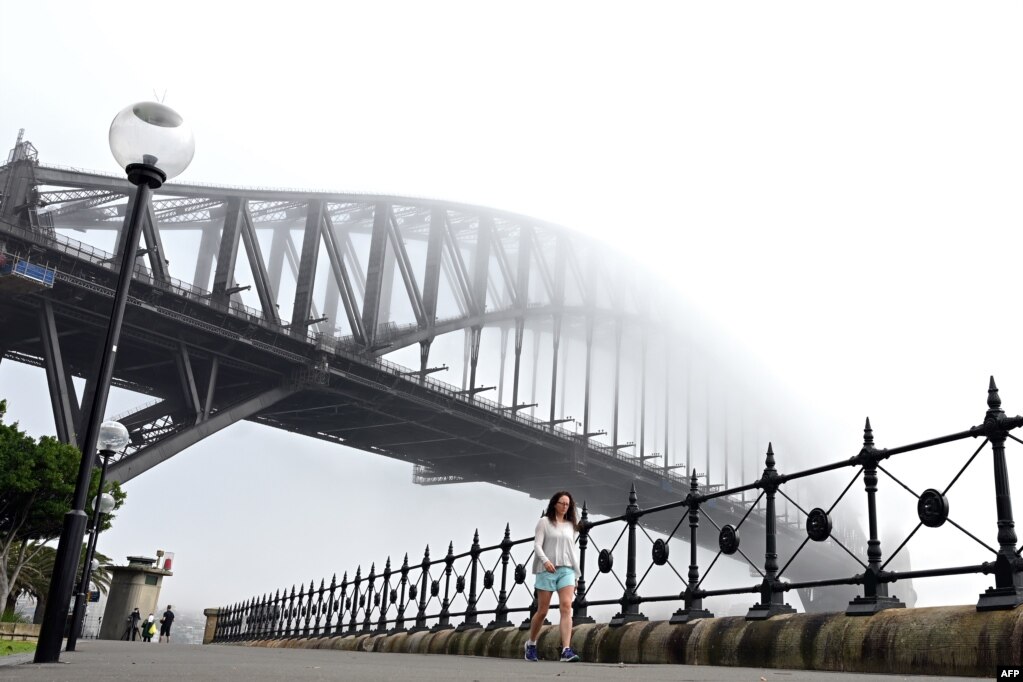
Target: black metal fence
490, 583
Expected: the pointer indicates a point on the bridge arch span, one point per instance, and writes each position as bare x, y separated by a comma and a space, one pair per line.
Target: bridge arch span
333, 314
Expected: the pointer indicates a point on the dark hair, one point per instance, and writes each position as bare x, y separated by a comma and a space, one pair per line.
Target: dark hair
570, 516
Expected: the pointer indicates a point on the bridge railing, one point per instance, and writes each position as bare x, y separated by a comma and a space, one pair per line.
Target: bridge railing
100, 258
488, 586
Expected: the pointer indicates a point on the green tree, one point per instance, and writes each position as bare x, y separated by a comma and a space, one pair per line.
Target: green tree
37, 483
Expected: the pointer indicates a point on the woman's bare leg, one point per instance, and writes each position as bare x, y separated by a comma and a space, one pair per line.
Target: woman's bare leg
543, 602
565, 597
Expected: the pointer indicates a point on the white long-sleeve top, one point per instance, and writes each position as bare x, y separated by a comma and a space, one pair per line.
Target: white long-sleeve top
555, 542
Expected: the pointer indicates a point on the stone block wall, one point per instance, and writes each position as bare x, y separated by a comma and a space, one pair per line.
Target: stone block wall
19, 632
947, 640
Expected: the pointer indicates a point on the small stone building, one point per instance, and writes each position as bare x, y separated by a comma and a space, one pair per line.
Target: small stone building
137, 584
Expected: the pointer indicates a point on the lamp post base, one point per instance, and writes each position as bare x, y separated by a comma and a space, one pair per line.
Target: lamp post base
77, 620
68, 552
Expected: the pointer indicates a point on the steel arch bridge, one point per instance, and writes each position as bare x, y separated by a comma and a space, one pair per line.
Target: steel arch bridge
342, 310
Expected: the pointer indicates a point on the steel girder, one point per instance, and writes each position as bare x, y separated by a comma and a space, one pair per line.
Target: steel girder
148, 457
58, 377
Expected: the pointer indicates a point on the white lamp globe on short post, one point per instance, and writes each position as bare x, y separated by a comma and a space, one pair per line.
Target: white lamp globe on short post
113, 438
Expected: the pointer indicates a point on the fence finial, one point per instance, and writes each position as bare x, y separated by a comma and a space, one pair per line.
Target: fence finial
993, 400
868, 435
770, 456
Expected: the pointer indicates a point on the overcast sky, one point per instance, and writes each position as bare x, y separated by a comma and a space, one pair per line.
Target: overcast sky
835, 187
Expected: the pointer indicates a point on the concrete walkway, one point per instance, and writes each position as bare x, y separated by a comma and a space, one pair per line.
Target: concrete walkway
98, 660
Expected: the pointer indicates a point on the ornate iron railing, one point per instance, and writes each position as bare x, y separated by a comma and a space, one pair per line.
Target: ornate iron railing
491, 581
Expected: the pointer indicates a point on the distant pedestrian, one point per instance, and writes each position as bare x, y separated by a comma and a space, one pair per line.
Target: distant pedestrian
133, 624
149, 628
165, 623
556, 570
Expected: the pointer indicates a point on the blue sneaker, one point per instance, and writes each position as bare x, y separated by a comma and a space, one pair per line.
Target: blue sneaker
569, 656
531, 652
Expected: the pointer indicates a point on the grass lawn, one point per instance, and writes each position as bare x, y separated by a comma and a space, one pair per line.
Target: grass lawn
8, 648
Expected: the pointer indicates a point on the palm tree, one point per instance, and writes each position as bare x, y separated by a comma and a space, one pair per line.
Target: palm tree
34, 580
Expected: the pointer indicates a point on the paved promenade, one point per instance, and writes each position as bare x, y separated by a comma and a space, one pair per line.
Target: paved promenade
103, 660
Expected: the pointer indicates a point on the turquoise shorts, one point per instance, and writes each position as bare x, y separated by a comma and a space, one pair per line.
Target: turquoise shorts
563, 576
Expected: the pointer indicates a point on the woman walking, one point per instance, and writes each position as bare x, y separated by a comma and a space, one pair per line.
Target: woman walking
556, 570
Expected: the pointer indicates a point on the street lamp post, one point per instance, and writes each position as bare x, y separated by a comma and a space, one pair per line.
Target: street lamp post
152, 143
105, 505
112, 437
